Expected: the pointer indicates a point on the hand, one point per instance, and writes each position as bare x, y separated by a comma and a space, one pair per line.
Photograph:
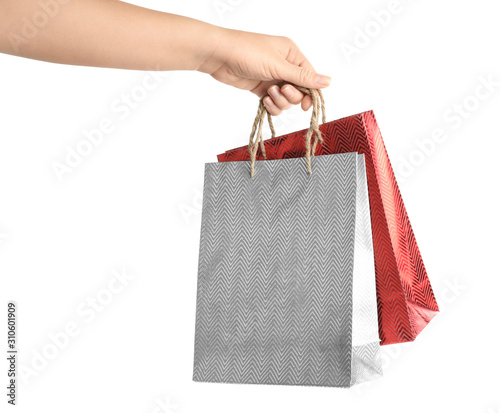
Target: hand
258, 62
163, 41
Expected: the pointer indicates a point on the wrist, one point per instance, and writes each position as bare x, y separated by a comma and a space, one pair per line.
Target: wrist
213, 49
189, 44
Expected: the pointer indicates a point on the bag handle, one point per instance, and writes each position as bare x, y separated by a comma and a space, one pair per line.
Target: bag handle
256, 138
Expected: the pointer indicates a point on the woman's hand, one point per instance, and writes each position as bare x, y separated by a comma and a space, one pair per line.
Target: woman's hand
97, 33
258, 62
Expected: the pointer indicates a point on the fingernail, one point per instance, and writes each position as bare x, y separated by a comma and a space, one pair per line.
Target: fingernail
275, 92
288, 92
323, 81
268, 101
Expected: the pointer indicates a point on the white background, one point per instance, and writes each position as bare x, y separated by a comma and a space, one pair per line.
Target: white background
134, 203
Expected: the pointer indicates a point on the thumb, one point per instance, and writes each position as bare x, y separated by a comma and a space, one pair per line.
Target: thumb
302, 76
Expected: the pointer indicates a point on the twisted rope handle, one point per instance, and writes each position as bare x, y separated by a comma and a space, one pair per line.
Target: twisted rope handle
256, 138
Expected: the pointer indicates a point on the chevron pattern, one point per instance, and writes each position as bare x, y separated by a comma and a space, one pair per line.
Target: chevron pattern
276, 268
406, 302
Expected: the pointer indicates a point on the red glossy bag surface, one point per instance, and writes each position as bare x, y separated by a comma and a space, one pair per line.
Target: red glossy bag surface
406, 302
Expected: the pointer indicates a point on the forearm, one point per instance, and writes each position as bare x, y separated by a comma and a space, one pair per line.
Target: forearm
111, 33
106, 33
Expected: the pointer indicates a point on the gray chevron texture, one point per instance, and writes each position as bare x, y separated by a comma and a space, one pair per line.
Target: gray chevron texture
286, 284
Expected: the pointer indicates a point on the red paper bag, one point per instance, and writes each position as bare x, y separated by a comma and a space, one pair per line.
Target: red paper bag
406, 302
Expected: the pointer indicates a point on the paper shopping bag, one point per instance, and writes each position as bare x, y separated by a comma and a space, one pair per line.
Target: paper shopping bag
286, 283
406, 302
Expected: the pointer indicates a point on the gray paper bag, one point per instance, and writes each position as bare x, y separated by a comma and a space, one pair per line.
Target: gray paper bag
286, 282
